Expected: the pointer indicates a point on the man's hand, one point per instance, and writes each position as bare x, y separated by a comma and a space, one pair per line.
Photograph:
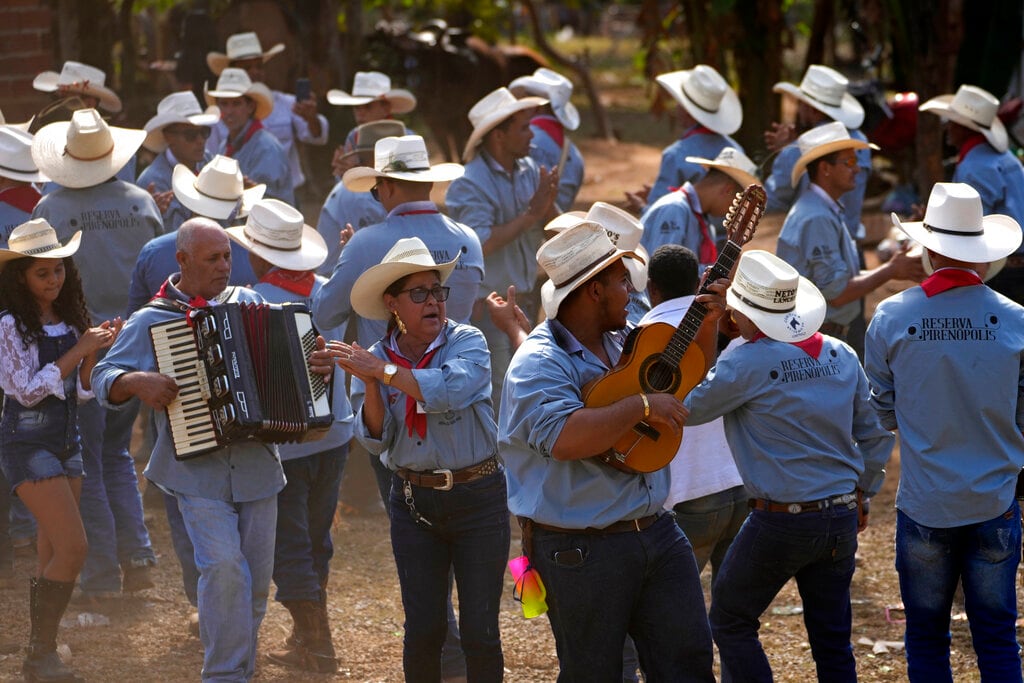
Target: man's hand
636, 201
341, 163
345, 234
321, 361
543, 200
779, 135
903, 266
162, 199
714, 299
155, 390
306, 109
505, 314
667, 410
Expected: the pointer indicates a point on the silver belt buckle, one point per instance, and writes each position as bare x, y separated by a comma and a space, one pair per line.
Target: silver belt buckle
449, 480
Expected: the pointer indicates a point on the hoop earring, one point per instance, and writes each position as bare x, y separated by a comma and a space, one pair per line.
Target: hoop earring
399, 324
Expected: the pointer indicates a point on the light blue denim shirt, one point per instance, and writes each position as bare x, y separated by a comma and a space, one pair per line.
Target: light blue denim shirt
814, 240
673, 220
800, 428
542, 389
456, 388
341, 207
546, 152
10, 218
998, 178
445, 239
264, 160
676, 170
239, 473
948, 371
159, 173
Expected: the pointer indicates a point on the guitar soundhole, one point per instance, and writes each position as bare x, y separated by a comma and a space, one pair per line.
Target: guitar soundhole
658, 376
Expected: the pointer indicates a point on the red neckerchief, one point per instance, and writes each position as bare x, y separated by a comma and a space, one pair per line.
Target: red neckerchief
194, 302
969, 144
708, 250
551, 126
24, 197
811, 346
417, 212
413, 419
295, 281
230, 149
697, 130
949, 278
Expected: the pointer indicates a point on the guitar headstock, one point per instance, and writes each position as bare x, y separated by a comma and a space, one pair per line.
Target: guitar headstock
744, 214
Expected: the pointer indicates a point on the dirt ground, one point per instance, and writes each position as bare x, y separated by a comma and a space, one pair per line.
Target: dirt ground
147, 637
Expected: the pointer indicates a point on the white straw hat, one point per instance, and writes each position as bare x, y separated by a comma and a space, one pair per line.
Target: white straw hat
241, 46
769, 291
825, 89
277, 233
37, 239
974, 108
408, 256
216, 191
820, 141
555, 88
373, 85
495, 107
236, 83
734, 164
16, 156
81, 79
84, 151
706, 96
178, 107
623, 229
402, 158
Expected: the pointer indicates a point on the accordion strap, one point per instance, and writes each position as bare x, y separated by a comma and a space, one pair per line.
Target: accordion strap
169, 304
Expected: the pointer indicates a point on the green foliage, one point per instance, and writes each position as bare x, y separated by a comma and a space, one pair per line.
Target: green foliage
485, 18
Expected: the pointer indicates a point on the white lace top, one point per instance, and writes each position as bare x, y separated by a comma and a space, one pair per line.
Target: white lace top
19, 377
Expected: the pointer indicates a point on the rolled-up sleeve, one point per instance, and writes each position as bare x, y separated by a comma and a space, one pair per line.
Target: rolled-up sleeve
546, 394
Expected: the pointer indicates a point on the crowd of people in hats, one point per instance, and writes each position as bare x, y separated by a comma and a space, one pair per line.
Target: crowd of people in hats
459, 342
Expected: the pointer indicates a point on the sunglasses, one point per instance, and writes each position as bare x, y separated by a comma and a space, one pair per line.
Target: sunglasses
419, 294
849, 162
374, 193
190, 134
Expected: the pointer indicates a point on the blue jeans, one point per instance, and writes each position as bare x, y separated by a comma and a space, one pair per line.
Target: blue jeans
817, 549
305, 512
711, 522
183, 549
234, 546
984, 558
601, 587
468, 532
111, 504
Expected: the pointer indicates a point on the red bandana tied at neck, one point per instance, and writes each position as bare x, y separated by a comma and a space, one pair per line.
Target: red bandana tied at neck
230, 149
697, 130
23, 197
949, 278
708, 250
413, 419
295, 281
194, 302
811, 346
550, 126
969, 144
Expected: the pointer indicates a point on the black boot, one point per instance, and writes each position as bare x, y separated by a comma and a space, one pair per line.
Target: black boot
47, 602
309, 647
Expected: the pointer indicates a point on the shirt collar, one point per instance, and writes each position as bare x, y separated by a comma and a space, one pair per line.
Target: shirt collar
392, 343
495, 167
832, 203
691, 195
171, 159
422, 205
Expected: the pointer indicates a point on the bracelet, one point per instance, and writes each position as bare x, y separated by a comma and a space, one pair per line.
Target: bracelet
647, 405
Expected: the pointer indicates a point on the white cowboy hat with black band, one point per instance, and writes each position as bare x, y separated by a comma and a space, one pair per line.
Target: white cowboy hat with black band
16, 156
178, 107
368, 86
401, 158
706, 96
954, 226
277, 233
216, 191
236, 83
80, 79
37, 239
821, 141
554, 87
769, 291
973, 108
84, 151
241, 46
407, 257
825, 90
492, 109
734, 164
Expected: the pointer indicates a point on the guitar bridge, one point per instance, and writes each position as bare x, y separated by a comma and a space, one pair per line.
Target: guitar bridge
647, 430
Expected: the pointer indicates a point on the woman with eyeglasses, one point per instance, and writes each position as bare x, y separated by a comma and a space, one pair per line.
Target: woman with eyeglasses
422, 401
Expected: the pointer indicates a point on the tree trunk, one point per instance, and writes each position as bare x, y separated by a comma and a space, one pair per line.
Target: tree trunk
758, 56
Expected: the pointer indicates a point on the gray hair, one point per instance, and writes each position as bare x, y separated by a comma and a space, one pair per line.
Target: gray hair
190, 230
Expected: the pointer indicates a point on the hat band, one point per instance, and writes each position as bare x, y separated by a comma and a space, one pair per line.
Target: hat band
18, 170
213, 196
692, 99
255, 240
100, 156
959, 233
39, 250
820, 100
584, 269
760, 307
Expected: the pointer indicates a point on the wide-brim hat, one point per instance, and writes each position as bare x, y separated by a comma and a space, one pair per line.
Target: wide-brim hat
623, 229
217, 190
37, 239
783, 304
368, 86
82, 79
16, 156
277, 233
734, 164
407, 257
495, 107
241, 46
236, 83
821, 141
954, 226
84, 151
973, 108
706, 96
926, 262
401, 158
178, 107
368, 134
825, 89
554, 87
19, 126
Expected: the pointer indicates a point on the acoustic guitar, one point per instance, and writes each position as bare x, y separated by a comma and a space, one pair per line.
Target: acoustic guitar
660, 358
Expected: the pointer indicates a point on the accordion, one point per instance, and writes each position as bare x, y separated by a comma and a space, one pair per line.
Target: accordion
242, 373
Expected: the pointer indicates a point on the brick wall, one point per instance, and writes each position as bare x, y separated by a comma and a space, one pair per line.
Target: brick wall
26, 49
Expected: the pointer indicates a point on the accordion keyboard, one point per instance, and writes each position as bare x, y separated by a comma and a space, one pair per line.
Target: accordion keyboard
191, 423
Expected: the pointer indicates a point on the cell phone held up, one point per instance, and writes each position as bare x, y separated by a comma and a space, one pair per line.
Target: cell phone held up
302, 89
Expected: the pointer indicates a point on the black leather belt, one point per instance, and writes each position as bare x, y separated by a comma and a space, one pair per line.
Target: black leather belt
444, 480
764, 505
614, 528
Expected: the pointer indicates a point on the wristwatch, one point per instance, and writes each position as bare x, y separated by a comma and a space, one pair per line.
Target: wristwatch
390, 370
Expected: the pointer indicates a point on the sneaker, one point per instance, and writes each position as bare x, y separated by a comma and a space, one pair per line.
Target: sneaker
135, 579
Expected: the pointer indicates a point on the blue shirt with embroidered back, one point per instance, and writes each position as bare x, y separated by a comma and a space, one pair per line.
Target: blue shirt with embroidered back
947, 370
546, 149
997, 176
696, 141
159, 174
815, 241
445, 238
800, 425
16, 206
676, 219
344, 206
262, 159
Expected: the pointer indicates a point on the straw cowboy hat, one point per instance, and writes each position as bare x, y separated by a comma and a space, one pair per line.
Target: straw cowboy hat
571, 258
37, 239
401, 158
16, 156
820, 141
178, 107
236, 83
241, 46
706, 96
20, 126
407, 257
216, 191
769, 291
555, 88
495, 107
623, 229
954, 226
277, 233
973, 108
368, 134
733, 163
373, 85
84, 151
80, 79
824, 89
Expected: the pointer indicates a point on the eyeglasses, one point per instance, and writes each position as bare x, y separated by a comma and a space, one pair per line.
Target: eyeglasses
849, 162
419, 294
190, 134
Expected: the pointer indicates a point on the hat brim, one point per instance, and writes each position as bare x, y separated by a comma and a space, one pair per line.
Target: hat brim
1001, 236
363, 178
311, 254
926, 263
566, 113
402, 101
823, 150
726, 121
257, 92
48, 152
49, 81
742, 178
64, 251
551, 297
791, 326
183, 183
218, 61
996, 134
368, 290
850, 113
487, 124
154, 128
